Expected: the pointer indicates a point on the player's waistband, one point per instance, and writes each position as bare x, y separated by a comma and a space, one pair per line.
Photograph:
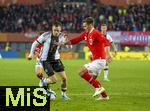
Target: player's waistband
102, 59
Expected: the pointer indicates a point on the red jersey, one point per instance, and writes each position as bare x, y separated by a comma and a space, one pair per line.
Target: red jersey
95, 41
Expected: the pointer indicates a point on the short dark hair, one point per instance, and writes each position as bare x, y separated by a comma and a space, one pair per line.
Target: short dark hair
104, 25
89, 20
57, 24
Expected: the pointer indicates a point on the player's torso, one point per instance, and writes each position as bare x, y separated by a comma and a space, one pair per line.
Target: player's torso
50, 50
53, 48
95, 45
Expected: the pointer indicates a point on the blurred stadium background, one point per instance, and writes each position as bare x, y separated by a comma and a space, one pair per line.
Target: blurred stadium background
128, 23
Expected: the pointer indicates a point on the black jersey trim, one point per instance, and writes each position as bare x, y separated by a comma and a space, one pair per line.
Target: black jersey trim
39, 42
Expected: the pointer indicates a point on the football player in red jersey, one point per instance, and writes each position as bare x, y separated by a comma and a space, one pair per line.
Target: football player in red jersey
100, 49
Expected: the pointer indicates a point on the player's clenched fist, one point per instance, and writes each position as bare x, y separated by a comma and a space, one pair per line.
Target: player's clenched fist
29, 57
108, 59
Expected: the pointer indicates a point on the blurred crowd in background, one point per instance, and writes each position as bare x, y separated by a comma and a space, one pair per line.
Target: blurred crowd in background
134, 18
19, 18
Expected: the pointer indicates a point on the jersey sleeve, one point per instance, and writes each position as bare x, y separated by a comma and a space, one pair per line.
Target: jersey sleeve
38, 41
78, 38
109, 38
41, 38
33, 47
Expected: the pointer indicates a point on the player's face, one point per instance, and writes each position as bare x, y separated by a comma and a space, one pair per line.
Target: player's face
104, 29
86, 26
56, 30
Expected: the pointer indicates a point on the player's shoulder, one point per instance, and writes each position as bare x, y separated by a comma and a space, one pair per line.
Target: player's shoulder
108, 36
84, 32
62, 34
97, 32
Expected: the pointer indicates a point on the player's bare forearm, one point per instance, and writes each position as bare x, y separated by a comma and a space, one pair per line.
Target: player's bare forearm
63, 43
114, 47
67, 43
108, 55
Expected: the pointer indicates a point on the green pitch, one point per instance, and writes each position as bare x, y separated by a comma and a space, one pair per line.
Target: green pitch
129, 86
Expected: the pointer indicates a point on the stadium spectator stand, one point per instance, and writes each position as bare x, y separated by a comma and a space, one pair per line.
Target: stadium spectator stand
24, 18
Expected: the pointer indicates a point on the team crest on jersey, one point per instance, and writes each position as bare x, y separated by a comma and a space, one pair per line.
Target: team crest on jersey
90, 41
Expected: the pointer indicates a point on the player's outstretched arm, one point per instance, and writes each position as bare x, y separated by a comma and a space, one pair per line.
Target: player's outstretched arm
63, 43
33, 47
72, 41
114, 47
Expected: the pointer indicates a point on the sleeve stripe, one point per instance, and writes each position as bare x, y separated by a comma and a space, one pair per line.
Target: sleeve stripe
39, 42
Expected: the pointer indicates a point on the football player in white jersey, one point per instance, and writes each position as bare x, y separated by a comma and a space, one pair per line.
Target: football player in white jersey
104, 32
50, 57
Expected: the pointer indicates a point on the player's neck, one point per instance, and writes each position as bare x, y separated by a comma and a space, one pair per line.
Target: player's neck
91, 29
104, 33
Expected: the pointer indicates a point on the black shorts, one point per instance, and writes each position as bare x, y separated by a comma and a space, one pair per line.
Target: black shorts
51, 66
